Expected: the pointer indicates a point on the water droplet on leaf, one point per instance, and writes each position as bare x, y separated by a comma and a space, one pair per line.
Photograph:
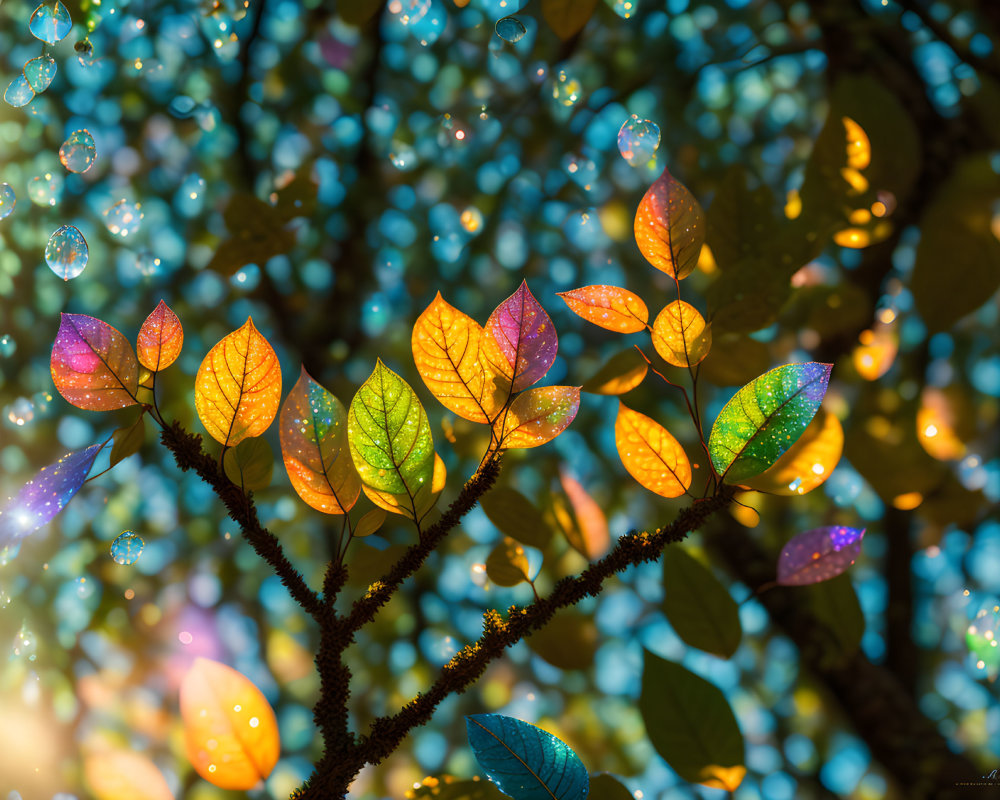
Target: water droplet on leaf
67, 253
78, 152
50, 22
127, 548
638, 140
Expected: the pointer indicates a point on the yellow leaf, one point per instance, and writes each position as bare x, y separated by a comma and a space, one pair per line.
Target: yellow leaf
238, 386
670, 227
650, 454
415, 508
595, 539
446, 349
807, 463
124, 775
680, 334
230, 730
622, 373
859, 148
728, 778
610, 307
537, 416
370, 522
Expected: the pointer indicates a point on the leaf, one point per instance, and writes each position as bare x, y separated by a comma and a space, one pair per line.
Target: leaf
650, 454
446, 348
160, 339
670, 227
819, 555
607, 787
417, 506
238, 386
568, 641
741, 223
835, 605
45, 495
507, 565
516, 516
230, 731
520, 341
250, 464
734, 360
124, 775
807, 463
128, 440
594, 539
698, 607
369, 523
567, 17
448, 787
257, 233
680, 335
537, 416
620, 374
313, 433
390, 438
610, 307
764, 418
749, 297
93, 365
524, 761
690, 724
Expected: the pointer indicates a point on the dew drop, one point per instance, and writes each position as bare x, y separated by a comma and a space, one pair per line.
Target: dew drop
45, 190
78, 152
510, 29
123, 218
50, 22
127, 548
40, 72
19, 92
7, 200
638, 140
67, 253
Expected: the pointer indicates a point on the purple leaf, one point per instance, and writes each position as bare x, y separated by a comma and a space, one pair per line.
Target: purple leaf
819, 555
520, 339
45, 495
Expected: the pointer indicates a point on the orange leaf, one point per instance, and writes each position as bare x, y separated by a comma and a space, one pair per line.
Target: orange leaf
93, 365
595, 539
415, 508
537, 416
124, 775
160, 339
807, 463
650, 454
680, 335
670, 227
728, 778
446, 345
230, 730
238, 386
611, 307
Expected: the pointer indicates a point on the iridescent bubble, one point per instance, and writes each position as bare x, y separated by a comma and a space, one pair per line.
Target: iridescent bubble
127, 548
624, 8
19, 92
123, 218
510, 29
25, 644
147, 264
78, 152
638, 140
45, 190
20, 413
40, 72
7, 200
566, 89
7, 345
50, 22
67, 253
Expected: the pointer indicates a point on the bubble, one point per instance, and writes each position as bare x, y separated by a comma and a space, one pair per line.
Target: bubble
25, 644
20, 413
40, 72
45, 190
566, 89
67, 253
638, 140
50, 22
127, 548
624, 8
147, 264
19, 92
78, 152
7, 200
123, 218
510, 29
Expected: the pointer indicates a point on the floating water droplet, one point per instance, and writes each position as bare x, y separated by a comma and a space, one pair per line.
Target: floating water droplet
45, 190
78, 152
25, 645
50, 22
123, 218
127, 548
40, 72
7, 200
147, 264
20, 413
19, 92
85, 52
510, 29
67, 253
638, 140
566, 89
624, 8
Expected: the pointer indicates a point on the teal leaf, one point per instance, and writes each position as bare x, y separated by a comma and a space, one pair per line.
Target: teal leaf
698, 607
524, 761
765, 418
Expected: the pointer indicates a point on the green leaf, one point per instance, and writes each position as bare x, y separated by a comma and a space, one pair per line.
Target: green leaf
250, 464
835, 604
567, 17
698, 607
257, 233
447, 787
370, 523
516, 516
507, 565
607, 787
620, 374
568, 640
765, 417
389, 435
690, 723
128, 440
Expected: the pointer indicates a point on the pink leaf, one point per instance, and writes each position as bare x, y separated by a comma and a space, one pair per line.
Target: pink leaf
819, 555
520, 340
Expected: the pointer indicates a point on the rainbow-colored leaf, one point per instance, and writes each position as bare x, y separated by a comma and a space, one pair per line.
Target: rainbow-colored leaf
230, 731
93, 365
520, 341
680, 334
819, 555
537, 416
160, 339
45, 495
765, 418
238, 386
446, 349
650, 454
808, 462
313, 434
670, 227
610, 307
